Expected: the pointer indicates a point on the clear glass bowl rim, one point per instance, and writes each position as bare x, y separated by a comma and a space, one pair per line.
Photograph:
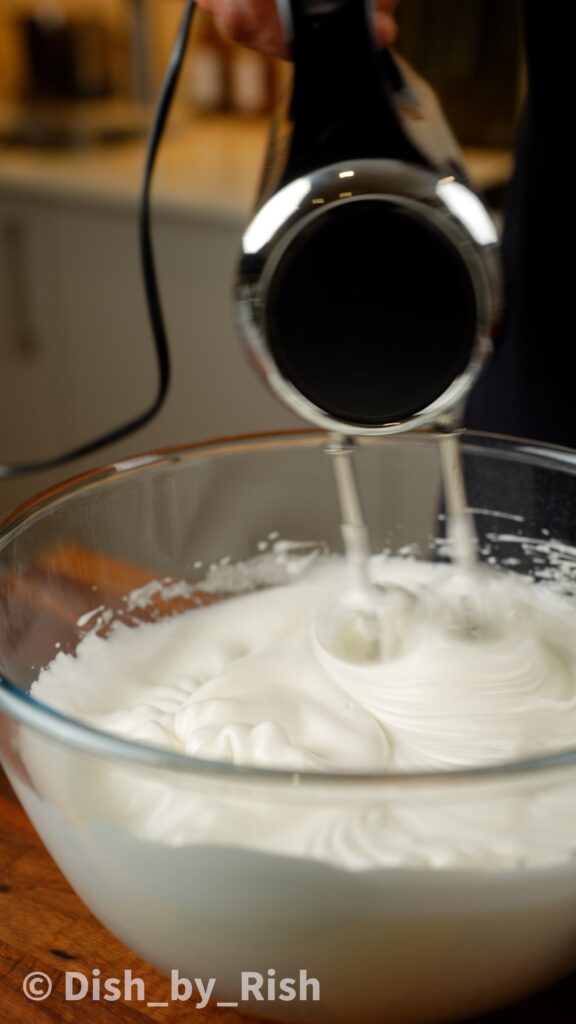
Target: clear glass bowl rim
70, 732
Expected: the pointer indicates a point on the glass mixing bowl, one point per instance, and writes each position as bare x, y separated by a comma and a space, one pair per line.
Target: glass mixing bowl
138, 830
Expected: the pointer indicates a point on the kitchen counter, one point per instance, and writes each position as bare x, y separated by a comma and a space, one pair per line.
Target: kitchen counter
207, 166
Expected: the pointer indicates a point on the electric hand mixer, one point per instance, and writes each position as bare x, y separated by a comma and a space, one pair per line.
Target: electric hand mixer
367, 288
368, 283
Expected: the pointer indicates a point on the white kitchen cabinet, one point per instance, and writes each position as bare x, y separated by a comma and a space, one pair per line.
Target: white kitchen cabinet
34, 403
76, 355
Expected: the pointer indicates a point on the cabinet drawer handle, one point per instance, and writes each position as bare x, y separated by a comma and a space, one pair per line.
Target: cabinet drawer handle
24, 342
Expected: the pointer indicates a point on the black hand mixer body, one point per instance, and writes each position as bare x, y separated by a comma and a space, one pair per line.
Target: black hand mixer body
367, 290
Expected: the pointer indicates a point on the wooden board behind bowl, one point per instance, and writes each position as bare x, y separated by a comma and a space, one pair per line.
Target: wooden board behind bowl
42, 605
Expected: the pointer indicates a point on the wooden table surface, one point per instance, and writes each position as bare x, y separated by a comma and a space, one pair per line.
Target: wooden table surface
45, 927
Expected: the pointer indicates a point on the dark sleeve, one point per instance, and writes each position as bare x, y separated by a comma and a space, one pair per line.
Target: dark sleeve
527, 389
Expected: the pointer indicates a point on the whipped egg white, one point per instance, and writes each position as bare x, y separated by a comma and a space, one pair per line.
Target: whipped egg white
246, 679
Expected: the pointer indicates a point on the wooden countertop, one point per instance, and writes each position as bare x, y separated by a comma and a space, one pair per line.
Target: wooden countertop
208, 166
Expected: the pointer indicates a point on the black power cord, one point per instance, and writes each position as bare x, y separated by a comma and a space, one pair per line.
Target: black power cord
148, 270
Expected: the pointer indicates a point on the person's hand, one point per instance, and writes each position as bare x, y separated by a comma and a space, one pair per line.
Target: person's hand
255, 23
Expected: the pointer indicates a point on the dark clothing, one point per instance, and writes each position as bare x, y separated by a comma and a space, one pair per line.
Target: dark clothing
529, 385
